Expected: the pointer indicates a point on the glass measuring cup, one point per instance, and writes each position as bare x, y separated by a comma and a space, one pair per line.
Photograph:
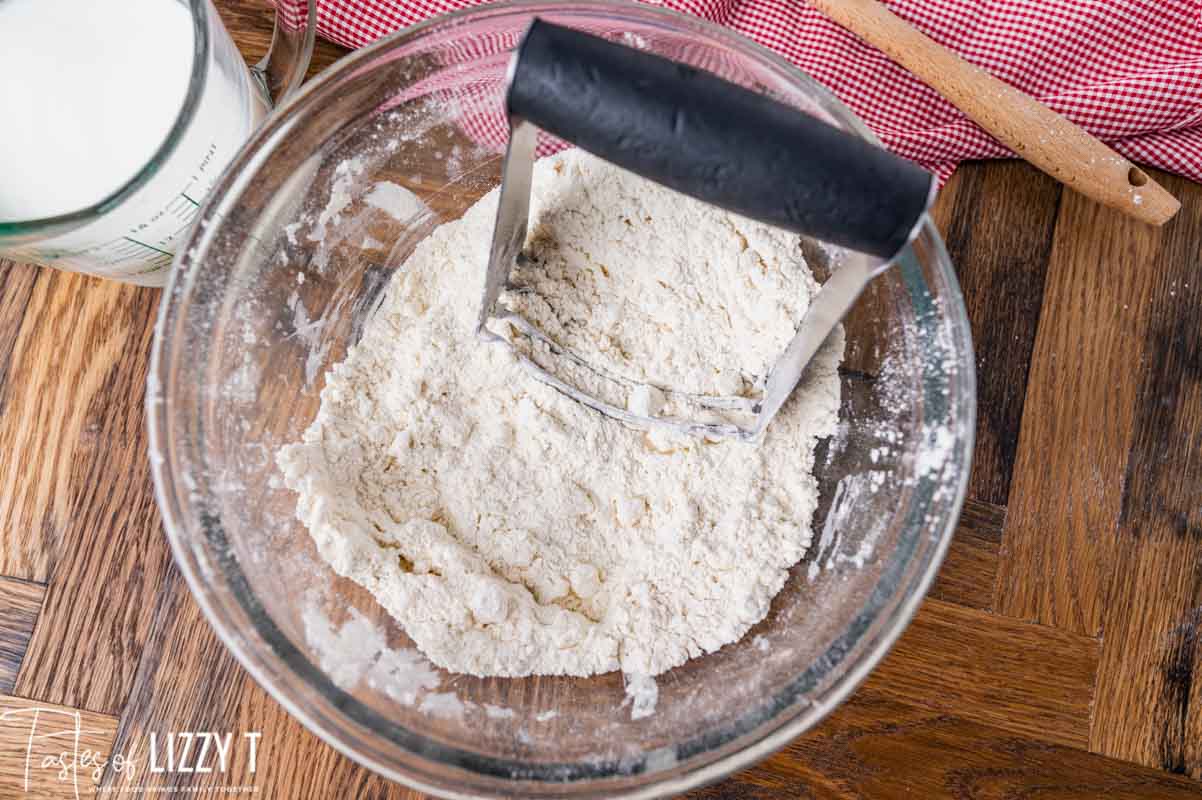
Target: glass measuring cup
131, 234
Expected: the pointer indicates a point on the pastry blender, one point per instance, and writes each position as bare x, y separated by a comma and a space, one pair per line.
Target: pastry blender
718, 142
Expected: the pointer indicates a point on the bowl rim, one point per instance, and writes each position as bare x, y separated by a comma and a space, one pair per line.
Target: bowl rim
272, 672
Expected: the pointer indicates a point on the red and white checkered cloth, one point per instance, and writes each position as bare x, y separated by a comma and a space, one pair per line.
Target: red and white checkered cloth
1128, 71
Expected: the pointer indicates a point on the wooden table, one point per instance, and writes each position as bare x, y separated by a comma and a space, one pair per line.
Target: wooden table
1059, 655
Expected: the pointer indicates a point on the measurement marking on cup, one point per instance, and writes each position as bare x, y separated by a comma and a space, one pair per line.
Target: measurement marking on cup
149, 247
183, 208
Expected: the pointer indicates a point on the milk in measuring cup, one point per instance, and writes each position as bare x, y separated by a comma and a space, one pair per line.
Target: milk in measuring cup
90, 91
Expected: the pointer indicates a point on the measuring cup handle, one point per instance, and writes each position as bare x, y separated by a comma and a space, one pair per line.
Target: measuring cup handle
292, 38
718, 142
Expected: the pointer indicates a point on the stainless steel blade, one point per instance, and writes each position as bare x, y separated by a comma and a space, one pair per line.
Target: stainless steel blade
827, 309
513, 213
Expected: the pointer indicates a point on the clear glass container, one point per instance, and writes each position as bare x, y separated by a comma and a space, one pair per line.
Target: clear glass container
132, 234
288, 262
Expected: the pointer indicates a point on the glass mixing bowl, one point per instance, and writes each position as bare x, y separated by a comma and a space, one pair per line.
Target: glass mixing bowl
289, 259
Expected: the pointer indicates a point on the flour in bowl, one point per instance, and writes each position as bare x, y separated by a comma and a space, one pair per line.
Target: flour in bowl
512, 531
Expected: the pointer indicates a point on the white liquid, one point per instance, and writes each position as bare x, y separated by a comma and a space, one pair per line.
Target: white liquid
89, 90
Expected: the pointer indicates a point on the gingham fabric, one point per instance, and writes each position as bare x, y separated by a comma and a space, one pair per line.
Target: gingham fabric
1128, 71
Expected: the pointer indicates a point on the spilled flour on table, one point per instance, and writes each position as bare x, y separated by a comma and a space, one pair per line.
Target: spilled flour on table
512, 531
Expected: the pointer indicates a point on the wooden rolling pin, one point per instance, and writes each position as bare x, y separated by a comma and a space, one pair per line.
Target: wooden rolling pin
1032, 130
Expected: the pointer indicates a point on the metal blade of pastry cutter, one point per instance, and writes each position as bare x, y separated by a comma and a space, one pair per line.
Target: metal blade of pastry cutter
509, 235
513, 215
826, 309
717, 142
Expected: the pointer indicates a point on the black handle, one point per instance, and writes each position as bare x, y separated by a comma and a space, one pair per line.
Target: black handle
700, 135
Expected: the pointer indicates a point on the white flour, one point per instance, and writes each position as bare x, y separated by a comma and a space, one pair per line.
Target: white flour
512, 531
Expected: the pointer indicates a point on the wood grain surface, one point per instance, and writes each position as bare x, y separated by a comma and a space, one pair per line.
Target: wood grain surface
51, 752
1030, 679
882, 748
998, 219
1147, 704
20, 602
1057, 655
1072, 458
970, 568
90, 497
